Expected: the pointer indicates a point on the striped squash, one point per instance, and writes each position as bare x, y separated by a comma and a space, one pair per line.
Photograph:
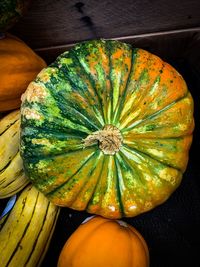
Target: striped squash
26, 232
12, 176
107, 128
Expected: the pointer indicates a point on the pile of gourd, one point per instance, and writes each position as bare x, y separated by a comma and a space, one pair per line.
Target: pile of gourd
105, 128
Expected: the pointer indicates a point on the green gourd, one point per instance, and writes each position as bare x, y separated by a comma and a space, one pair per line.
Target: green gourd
107, 128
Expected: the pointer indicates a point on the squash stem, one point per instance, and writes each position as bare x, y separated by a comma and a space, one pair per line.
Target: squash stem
109, 139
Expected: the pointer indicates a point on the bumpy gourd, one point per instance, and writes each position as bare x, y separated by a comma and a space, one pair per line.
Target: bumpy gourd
107, 128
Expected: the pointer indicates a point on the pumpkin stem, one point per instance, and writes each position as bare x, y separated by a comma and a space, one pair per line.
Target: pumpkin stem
109, 139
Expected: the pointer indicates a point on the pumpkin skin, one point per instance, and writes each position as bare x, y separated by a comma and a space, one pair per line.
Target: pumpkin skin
102, 242
19, 66
96, 85
11, 11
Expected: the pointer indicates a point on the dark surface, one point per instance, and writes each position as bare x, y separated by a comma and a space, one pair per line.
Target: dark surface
58, 22
171, 229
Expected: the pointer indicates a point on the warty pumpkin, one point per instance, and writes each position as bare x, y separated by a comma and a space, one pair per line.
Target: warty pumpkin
19, 66
102, 242
107, 128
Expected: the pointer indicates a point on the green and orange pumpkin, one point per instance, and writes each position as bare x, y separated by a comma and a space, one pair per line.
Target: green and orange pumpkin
107, 128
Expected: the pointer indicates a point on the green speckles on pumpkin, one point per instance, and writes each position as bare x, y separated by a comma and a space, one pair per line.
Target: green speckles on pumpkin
76, 180
95, 61
42, 165
55, 147
65, 61
136, 92
120, 61
154, 86
94, 84
150, 127
81, 89
47, 73
33, 115
149, 167
67, 165
61, 92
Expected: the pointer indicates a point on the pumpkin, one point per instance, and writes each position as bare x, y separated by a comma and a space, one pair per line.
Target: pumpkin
11, 11
19, 66
103, 242
107, 128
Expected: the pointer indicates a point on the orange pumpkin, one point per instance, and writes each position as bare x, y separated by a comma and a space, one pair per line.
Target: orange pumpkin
19, 66
101, 242
107, 128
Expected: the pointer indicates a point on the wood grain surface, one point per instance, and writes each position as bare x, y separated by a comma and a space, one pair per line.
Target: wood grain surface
163, 44
59, 22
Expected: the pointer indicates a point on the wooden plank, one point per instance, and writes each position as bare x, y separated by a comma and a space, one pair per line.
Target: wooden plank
169, 45
61, 22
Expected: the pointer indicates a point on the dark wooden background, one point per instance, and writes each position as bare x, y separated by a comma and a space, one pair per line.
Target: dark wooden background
59, 22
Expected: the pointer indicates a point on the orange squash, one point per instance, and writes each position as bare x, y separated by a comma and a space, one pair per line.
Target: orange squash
19, 66
101, 242
107, 128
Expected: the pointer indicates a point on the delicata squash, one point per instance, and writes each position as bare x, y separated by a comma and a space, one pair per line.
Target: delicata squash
107, 128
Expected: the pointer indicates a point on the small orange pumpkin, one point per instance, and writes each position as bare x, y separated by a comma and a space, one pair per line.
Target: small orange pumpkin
104, 242
19, 66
